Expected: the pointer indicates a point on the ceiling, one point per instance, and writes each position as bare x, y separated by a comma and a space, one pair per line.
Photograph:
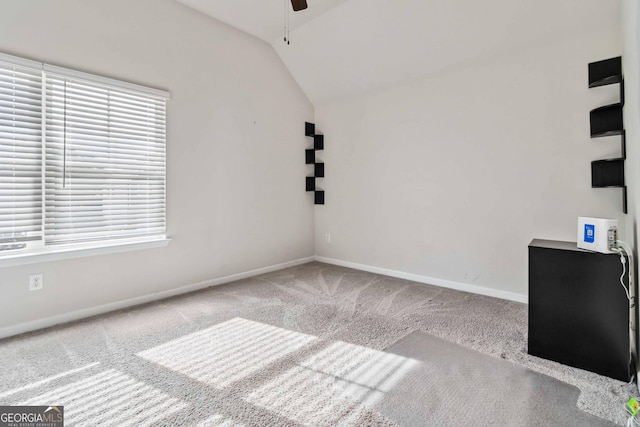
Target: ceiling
261, 18
341, 48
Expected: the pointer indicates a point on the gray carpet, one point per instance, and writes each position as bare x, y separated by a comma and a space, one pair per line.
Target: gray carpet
464, 387
301, 346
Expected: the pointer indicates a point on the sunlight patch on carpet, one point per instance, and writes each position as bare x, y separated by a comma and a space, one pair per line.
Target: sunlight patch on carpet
42, 382
227, 352
218, 420
336, 386
109, 398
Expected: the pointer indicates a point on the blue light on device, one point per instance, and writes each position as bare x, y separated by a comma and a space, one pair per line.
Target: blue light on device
589, 233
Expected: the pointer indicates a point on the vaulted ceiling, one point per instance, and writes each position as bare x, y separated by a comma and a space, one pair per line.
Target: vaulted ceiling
261, 18
342, 48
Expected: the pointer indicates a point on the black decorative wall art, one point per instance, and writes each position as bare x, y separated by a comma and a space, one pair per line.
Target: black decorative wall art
311, 159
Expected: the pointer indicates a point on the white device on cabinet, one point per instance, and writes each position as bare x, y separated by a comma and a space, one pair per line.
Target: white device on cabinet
598, 234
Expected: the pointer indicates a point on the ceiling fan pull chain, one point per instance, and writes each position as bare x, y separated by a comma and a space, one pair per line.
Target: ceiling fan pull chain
288, 27
296, 5
285, 20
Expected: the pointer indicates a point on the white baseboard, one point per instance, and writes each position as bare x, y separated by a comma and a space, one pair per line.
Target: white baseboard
475, 289
9, 331
21, 328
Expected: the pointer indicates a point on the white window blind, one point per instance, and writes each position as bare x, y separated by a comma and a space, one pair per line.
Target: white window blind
82, 157
105, 162
20, 155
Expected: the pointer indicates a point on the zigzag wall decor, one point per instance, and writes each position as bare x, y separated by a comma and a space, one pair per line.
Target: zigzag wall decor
310, 159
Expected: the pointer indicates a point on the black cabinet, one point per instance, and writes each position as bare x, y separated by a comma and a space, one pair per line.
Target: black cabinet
578, 311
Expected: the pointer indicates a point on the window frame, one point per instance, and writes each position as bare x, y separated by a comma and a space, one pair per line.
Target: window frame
38, 250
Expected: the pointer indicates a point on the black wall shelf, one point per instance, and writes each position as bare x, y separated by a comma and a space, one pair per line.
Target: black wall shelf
606, 72
608, 121
309, 129
607, 173
318, 166
309, 157
311, 183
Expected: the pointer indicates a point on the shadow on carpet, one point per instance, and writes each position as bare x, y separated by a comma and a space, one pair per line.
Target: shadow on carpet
453, 385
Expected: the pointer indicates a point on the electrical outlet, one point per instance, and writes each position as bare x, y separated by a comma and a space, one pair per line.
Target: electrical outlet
327, 238
36, 282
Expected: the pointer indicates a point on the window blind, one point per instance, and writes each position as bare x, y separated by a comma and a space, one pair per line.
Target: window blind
82, 158
20, 154
104, 161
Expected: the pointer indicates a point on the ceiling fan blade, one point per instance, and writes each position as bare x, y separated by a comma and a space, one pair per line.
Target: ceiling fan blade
299, 5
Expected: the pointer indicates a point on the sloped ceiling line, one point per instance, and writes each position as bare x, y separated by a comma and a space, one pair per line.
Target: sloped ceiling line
343, 48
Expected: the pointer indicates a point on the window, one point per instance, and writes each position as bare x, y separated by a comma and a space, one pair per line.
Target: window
82, 159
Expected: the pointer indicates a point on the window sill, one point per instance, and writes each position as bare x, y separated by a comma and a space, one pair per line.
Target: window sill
80, 250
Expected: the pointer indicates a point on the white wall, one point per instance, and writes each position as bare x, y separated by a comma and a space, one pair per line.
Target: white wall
630, 19
236, 199
451, 177
631, 69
